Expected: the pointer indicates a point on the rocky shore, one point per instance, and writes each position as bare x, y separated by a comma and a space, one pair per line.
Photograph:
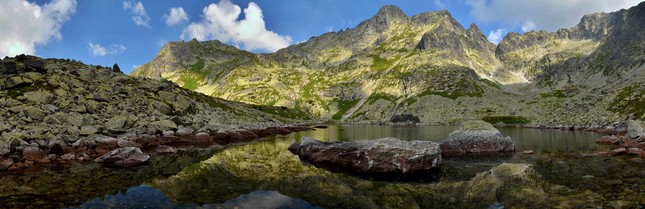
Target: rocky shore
56, 111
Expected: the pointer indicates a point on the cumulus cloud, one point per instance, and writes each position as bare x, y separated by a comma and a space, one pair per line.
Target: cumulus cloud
496, 36
177, 15
550, 15
98, 51
139, 15
25, 25
220, 21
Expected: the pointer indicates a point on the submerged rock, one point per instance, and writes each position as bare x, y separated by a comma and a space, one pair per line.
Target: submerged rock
125, 157
386, 158
476, 138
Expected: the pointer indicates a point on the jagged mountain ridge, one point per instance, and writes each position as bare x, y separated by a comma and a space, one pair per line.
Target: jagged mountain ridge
392, 64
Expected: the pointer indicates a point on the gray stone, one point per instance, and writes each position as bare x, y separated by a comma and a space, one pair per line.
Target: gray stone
476, 138
163, 108
167, 96
39, 97
5, 164
8, 67
32, 153
635, 129
185, 131
182, 103
161, 126
127, 143
163, 149
15, 81
68, 157
34, 76
34, 113
125, 157
116, 124
386, 158
93, 106
88, 130
4, 127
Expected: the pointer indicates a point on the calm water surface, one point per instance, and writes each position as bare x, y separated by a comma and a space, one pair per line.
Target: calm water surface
265, 174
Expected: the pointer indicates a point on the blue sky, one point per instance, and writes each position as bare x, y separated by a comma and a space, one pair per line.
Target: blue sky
130, 33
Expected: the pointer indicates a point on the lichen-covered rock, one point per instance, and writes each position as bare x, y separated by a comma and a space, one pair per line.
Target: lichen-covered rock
88, 130
34, 113
476, 138
160, 126
125, 157
39, 96
386, 158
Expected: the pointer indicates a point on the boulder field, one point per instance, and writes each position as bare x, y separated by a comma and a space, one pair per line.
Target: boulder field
57, 110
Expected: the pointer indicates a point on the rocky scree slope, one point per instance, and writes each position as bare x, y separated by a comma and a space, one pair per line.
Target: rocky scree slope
55, 106
431, 67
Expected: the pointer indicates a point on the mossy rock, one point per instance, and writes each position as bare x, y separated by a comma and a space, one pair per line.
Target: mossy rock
476, 125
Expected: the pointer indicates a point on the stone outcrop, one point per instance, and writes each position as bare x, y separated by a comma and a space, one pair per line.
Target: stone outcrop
476, 138
386, 158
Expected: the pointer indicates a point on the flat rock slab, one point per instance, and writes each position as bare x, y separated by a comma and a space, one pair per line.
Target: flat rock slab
476, 138
379, 159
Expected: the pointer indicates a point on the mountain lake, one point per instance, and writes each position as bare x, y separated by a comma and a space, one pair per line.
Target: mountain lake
264, 174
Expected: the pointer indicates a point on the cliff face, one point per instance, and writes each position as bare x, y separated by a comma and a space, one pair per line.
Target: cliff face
427, 65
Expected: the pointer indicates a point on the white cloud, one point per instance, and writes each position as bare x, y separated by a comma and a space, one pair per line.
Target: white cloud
220, 21
550, 15
139, 15
25, 25
528, 26
98, 51
177, 15
496, 36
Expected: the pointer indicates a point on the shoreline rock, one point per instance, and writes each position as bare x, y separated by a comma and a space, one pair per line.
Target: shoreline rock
476, 137
379, 159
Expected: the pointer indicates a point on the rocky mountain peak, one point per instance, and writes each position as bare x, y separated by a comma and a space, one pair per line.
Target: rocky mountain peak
474, 31
391, 12
386, 16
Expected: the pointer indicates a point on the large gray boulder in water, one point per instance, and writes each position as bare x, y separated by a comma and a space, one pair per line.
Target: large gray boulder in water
476, 137
382, 159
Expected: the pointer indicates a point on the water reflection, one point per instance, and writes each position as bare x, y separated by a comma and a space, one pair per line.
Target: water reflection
465, 182
246, 175
539, 140
148, 197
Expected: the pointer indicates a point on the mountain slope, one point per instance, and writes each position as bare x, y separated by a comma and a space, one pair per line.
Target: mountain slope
64, 106
429, 66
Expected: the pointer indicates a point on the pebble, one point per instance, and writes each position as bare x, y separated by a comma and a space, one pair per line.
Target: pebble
527, 152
